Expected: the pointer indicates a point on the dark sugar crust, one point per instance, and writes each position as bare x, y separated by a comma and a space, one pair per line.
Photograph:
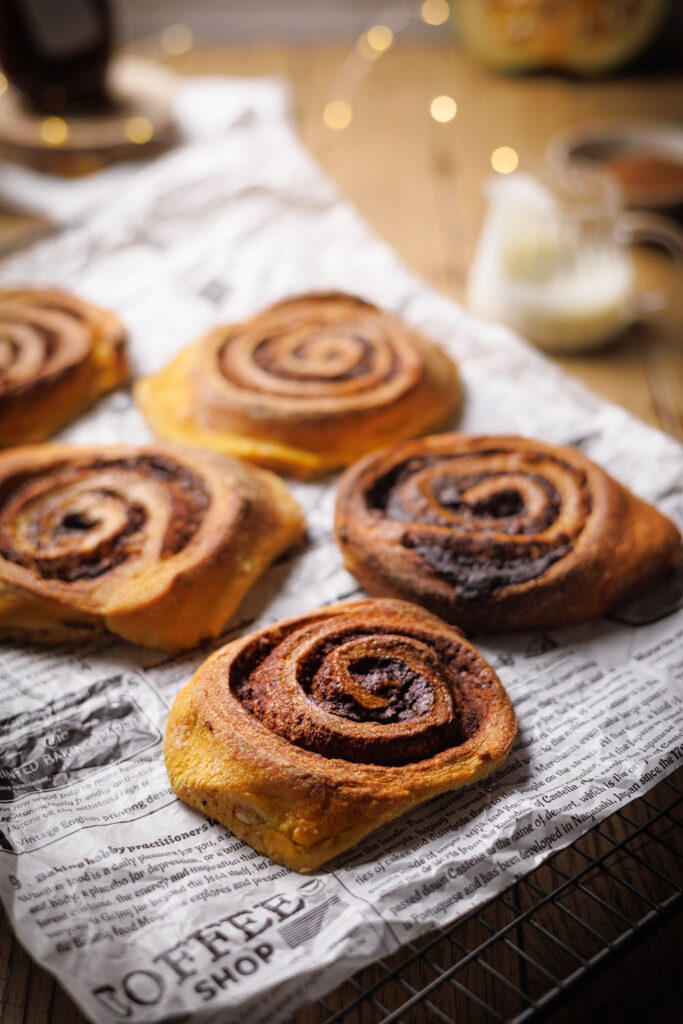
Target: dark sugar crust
400, 693
477, 574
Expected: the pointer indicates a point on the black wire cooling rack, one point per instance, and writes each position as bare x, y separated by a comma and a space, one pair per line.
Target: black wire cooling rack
523, 954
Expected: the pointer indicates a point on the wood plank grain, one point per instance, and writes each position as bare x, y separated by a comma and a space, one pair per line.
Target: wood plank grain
419, 183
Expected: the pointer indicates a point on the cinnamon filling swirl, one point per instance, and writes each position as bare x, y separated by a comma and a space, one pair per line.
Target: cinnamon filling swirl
75, 522
323, 356
499, 533
35, 346
308, 384
307, 735
157, 544
411, 693
483, 521
58, 354
335, 353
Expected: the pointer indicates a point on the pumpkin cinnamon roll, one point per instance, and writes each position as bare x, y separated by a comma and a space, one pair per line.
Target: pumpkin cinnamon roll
157, 544
307, 385
305, 736
58, 354
499, 533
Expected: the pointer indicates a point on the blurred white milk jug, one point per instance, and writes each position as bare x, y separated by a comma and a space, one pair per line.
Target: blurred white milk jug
551, 260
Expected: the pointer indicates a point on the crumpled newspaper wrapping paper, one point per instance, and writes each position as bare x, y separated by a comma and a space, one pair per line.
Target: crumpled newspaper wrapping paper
142, 908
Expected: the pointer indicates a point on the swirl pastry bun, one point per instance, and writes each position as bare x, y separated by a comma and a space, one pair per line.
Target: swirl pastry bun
157, 544
58, 354
307, 385
307, 735
499, 533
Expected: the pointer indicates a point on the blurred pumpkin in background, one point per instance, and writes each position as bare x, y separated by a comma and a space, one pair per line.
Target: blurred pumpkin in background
587, 37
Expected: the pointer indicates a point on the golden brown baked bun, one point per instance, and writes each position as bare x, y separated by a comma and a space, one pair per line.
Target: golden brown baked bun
307, 735
157, 543
58, 354
499, 533
307, 385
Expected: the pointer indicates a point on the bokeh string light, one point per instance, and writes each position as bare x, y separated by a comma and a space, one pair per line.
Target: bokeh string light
435, 12
337, 114
139, 130
54, 131
380, 38
177, 39
504, 159
443, 108
373, 44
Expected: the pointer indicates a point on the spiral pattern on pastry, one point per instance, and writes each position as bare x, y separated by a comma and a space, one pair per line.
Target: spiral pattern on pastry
318, 729
499, 533
310, 383
319, 350
57, 354
156, 543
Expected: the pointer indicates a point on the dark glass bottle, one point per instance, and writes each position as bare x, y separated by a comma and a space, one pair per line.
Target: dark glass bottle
55, 52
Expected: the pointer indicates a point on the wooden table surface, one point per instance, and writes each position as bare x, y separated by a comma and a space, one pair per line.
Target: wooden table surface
418, 183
